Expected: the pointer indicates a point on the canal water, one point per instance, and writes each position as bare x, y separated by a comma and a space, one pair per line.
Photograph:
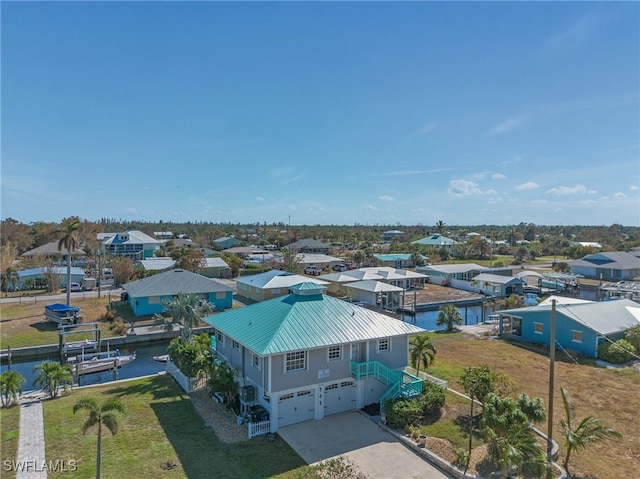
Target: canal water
427, 319
143, 365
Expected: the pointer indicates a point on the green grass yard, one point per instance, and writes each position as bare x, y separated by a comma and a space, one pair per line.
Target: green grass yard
161, 428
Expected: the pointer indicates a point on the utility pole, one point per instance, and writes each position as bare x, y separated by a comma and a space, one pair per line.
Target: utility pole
552, 360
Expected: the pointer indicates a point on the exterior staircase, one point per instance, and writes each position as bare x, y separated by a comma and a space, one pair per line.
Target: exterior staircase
401, 384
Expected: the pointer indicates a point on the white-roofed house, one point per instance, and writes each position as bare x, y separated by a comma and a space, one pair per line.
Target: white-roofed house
375, 293
216, 268
271, 284
132, 244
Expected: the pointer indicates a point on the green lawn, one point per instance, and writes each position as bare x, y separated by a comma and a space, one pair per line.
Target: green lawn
10, 423
161, 427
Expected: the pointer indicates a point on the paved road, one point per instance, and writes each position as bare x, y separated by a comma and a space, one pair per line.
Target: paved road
104, 292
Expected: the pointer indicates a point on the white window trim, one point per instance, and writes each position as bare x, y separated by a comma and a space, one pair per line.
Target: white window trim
255, 360
535, 330
573, 339
305, 360
329, 358
220, 338
236, 345
388, 340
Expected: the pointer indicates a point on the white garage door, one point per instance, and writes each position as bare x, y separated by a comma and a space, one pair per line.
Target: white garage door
296, 407
339, 397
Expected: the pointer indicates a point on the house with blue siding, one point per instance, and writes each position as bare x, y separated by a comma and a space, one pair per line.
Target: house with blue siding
147, 295
580, 326
307, 355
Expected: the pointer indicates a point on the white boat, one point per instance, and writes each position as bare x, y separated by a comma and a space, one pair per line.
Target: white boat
99, 362
163, 358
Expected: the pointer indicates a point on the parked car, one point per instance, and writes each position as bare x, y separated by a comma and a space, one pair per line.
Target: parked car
313, 270
340, 267
76, 287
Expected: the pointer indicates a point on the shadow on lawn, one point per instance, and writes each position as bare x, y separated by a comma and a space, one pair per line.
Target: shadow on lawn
45, 326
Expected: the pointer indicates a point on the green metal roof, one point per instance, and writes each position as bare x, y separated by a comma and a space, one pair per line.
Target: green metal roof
297, 322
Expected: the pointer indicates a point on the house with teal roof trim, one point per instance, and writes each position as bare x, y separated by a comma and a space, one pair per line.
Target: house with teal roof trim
308, 355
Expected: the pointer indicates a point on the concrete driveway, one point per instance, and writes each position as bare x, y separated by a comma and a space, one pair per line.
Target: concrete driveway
377, 453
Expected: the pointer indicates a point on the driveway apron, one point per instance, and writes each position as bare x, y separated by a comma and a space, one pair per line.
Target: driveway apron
376, 452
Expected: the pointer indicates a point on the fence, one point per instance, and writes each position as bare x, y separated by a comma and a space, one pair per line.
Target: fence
259, 428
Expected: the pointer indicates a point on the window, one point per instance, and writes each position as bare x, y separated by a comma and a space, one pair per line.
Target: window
335, 353
576, 336
236, 345
154, 299
221, 295
256, 361
220, 338
538, 328
296, 361
384, 345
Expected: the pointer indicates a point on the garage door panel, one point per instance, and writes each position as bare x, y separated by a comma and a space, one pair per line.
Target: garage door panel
296, 407
339, 397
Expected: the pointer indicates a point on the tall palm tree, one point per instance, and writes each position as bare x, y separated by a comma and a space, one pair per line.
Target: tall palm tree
106, 414
422, 352
69, 242
440, 227
589, 431
10, 279
51, 376
448, 315
186, 310
11, 383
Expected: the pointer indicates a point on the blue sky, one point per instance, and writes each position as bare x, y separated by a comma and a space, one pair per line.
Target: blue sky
322, 113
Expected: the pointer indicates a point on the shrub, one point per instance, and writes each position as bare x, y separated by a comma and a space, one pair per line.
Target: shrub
107, 316
620, 352
431, 399
402, 413
461, 457
118, 326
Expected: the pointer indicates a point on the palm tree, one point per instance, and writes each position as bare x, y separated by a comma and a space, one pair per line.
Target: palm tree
186, 310
51, 376
10, 279
448, 315
578, 437
517, 449
69, 242
440, 227
11, 383
423, 352
106, 414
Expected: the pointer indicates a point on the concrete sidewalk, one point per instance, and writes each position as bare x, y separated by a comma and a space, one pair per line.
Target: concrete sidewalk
31, 455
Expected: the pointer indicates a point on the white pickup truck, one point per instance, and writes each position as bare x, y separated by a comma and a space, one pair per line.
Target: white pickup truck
313, 270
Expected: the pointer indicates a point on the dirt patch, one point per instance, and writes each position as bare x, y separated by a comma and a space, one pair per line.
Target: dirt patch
217, 416
434, 293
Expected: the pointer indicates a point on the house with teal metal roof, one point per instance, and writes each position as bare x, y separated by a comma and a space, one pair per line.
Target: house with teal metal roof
307, 355
147, 295
580, 326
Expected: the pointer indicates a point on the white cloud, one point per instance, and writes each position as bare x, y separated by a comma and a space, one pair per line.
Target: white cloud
633, 187
592, 192
259, 198
428, 127
508, 125
386, 198
460, 188
276, 172
491, 191
568, 190
539, 202
619, 194
498, 176
574, 35
529, 185
373, 208
412, 172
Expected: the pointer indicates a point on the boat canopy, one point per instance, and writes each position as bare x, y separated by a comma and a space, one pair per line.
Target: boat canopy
62, 308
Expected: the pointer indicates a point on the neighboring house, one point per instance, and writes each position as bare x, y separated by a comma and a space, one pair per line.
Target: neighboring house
612, 266
438, 241
375, 293
226, 242
271, 284
498, 285
37, 276
244, 251
588, 244
50, 250
308, 355
398, 260
390, 235
400, 278
317, 259
216, 268
308, 246
147, 294
163, 235
134, 244
464, 272
580, 327
158, 263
